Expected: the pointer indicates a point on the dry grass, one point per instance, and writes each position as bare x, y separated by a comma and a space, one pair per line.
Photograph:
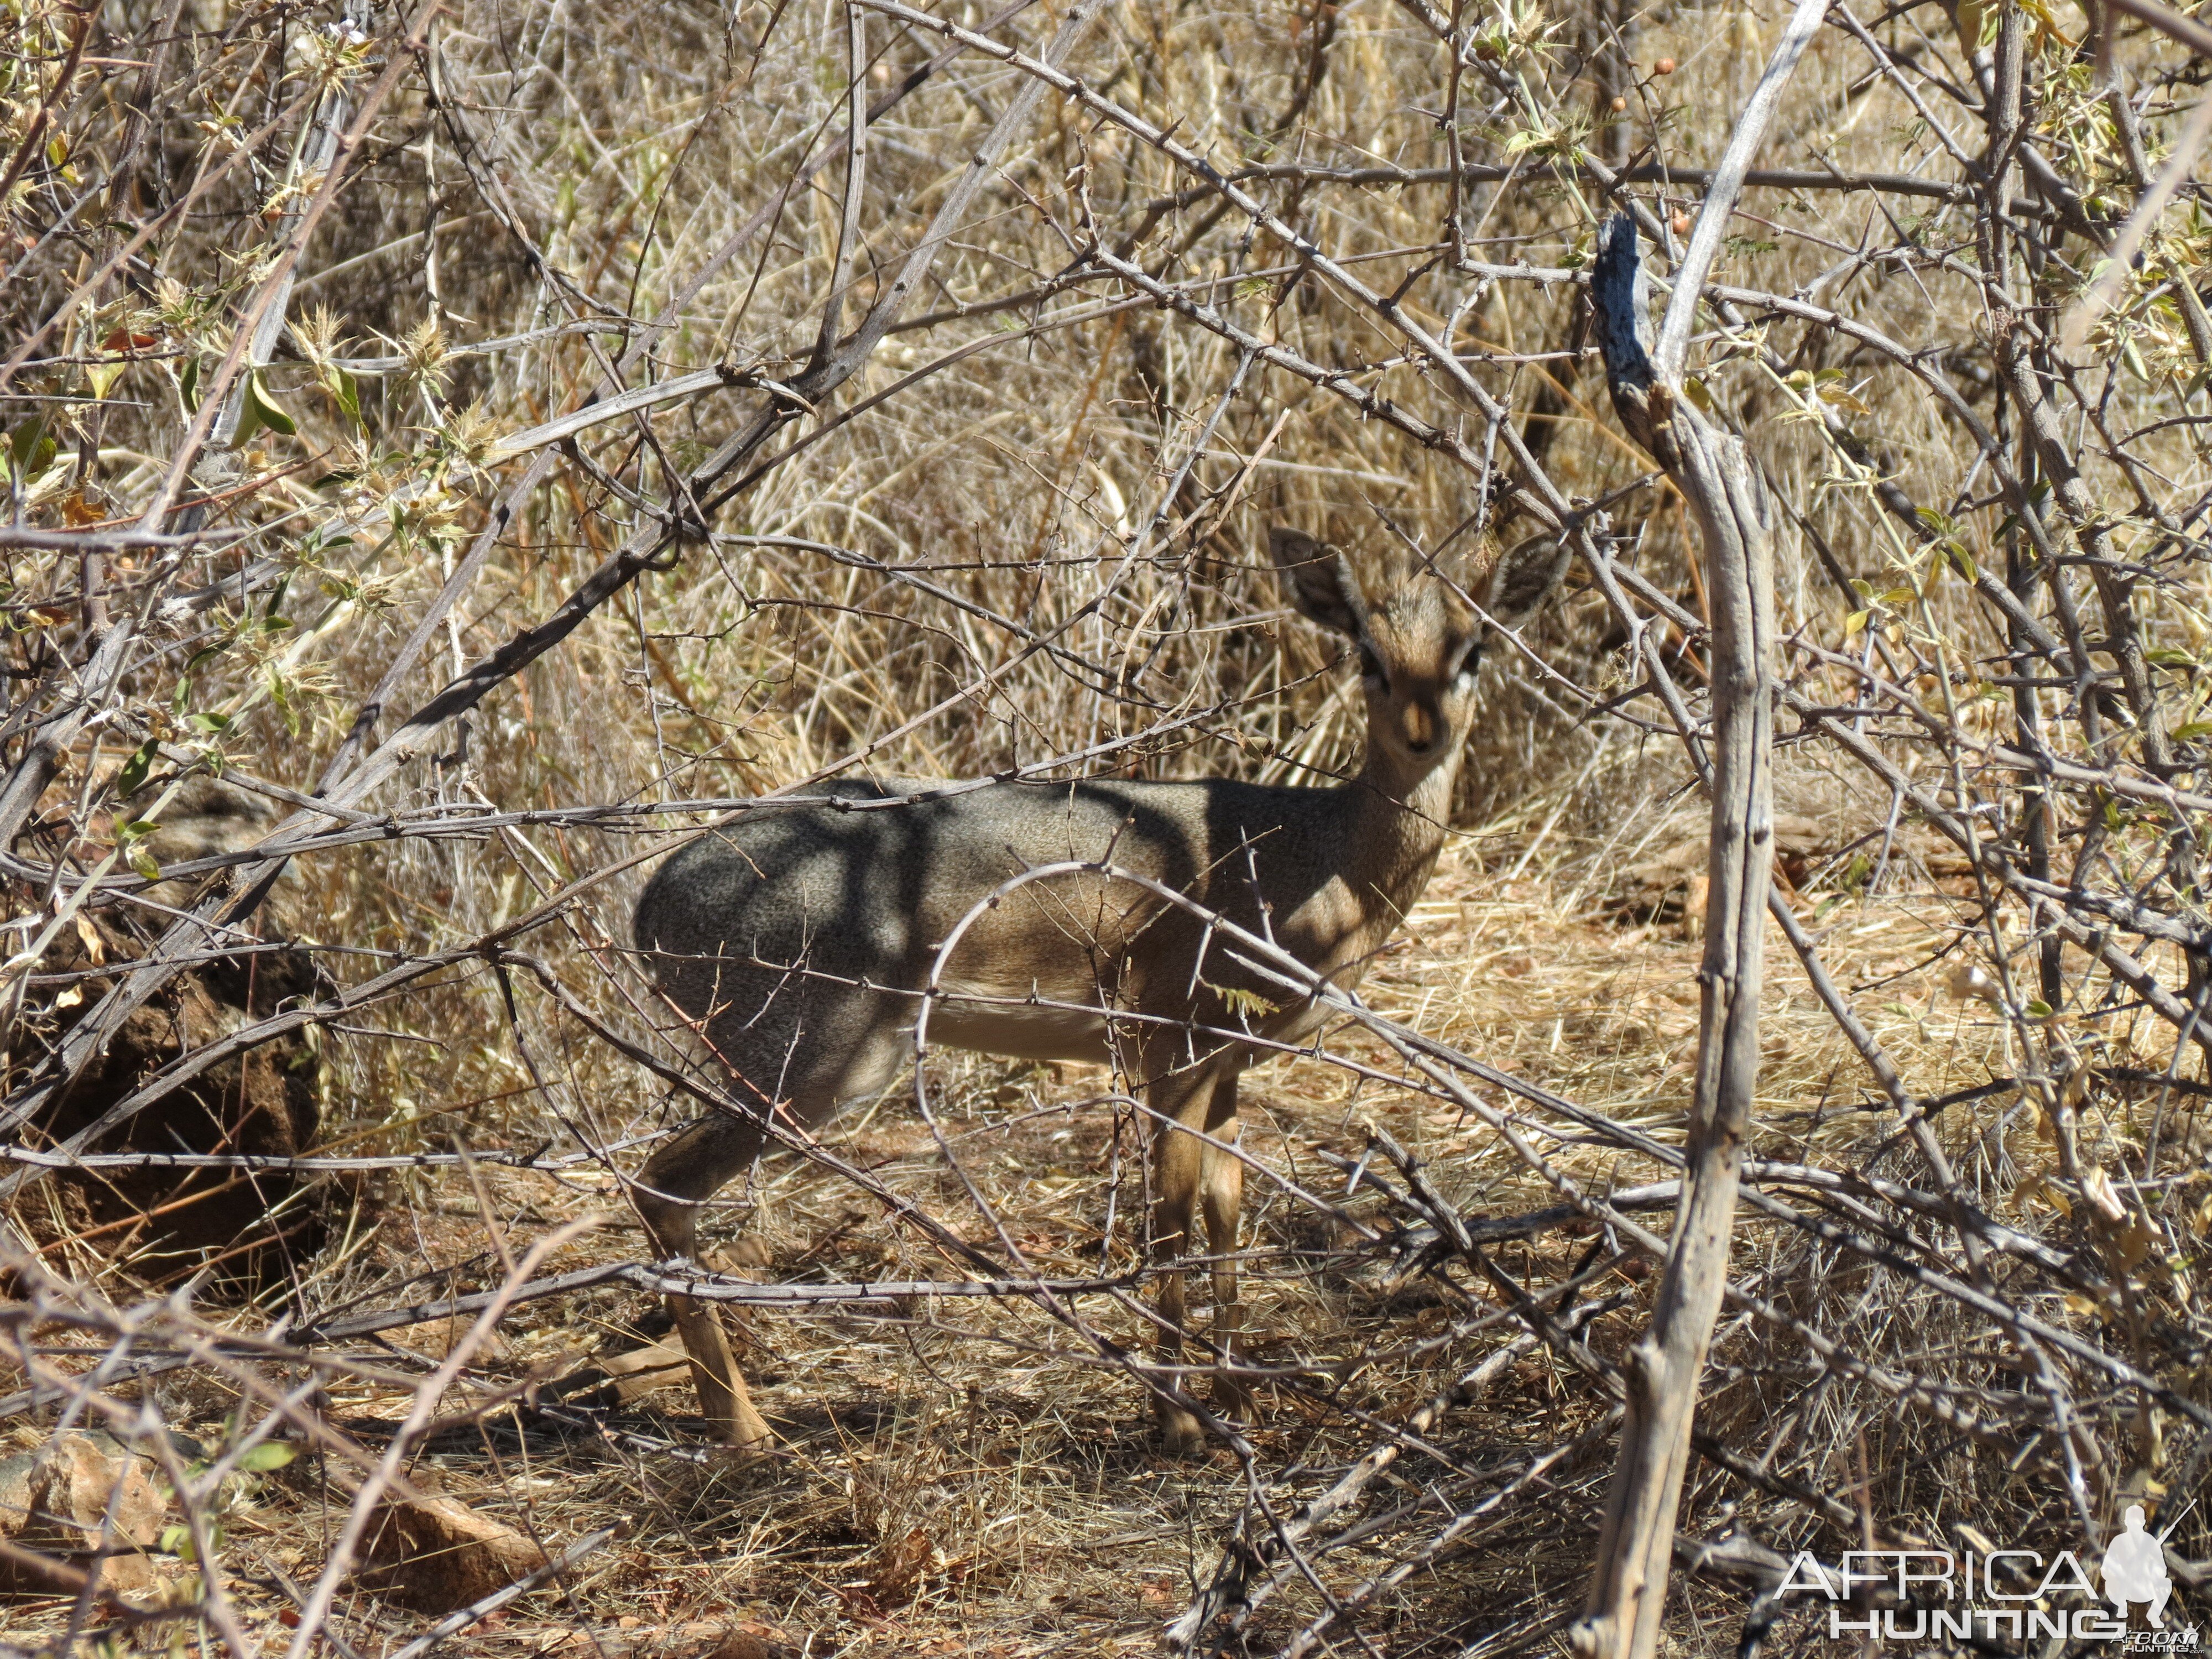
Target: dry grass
969, 1476
957, 1478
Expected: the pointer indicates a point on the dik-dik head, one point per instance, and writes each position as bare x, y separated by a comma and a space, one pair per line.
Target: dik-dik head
1419, 642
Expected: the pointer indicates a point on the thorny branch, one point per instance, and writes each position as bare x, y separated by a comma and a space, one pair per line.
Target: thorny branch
508, 375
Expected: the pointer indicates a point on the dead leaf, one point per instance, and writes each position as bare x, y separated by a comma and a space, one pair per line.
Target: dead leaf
2134, 1243
1970, 983
2097, 1187
436, 1554
663, 1365
55, 1499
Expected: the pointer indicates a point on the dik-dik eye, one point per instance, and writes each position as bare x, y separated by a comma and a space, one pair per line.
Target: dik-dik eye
1370, 666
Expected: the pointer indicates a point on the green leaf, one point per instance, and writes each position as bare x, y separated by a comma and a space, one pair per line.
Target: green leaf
176, 1540
2193, 731
2167, 657
188, 385
29, 448
2037, 1009
183, 694
269, 1454
272, 412
135, 769
347, 390
1242, 1001
210, 724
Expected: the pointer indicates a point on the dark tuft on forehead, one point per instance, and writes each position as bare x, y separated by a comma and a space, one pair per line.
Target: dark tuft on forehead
1415, 596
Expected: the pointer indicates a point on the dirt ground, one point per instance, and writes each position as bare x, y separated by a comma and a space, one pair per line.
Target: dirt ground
967, 1477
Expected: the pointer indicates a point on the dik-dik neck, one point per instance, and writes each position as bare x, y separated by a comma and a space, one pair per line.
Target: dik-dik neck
1398, 815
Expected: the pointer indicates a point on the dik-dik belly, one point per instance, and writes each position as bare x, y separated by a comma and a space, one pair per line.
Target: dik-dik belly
1043, 1028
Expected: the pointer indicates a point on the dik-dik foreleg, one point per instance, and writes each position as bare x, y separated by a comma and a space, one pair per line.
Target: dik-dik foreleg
675, 1181
1185, 1171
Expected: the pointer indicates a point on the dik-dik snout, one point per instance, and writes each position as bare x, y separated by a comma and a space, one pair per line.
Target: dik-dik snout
1424, 713
796, 944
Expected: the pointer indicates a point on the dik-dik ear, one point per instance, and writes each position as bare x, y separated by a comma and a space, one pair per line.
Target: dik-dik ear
1525, 579
1322, 584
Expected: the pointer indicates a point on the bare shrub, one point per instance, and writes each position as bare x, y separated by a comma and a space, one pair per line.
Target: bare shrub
487, 444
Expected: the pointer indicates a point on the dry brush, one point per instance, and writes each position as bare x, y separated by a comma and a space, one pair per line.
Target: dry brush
454, 451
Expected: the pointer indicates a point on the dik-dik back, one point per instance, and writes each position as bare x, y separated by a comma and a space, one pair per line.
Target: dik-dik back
802, 935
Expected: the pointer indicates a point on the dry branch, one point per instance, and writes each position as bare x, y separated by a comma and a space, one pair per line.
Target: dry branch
1713, 472
529, 403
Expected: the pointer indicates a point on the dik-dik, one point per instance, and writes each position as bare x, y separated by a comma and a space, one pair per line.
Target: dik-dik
795, 942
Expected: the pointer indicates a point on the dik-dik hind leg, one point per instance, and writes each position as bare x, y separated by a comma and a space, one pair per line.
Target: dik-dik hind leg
675, 1182
1221, 1192
1203, 1098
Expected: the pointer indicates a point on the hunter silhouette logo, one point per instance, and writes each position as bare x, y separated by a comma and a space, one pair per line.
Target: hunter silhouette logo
2134, 1568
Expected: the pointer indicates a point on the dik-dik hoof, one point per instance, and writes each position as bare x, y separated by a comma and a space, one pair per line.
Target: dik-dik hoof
723, 1399
734, 1423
